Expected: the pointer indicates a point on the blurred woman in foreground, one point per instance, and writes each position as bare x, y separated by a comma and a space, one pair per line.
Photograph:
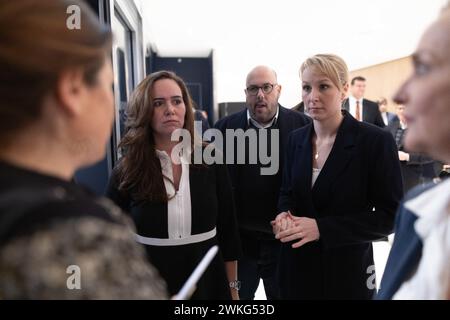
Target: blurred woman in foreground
57, 241
418, 266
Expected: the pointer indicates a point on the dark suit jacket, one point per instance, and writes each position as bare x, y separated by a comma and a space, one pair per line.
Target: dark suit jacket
288, 121
362, 172
198, 116
390, 117
264, 207
370, 112
419, 169
406, 251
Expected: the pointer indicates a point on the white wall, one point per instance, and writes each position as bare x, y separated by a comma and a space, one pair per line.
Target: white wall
282, 33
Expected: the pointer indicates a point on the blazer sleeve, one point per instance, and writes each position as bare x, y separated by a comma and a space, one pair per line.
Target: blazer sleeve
227, 227
120, 198
378, 118
418, 158
285, 197
385, 191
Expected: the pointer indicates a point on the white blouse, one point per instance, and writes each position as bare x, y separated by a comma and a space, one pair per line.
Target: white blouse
432, 277
179, 204
315, 175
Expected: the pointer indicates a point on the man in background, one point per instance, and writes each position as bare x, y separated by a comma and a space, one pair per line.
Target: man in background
256, 195
362, 109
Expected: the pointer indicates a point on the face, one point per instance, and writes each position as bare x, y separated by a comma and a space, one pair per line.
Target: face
95, 123
400, 112
168, 108
382, 107
426, 94
358, 88
322, 98
262, 106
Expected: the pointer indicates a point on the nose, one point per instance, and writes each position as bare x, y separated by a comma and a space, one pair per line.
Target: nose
260, 93
314, 94
170, 109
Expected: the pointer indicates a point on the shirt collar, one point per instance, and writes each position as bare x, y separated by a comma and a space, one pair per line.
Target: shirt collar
353, 100
430, 207
260, 126
166, 160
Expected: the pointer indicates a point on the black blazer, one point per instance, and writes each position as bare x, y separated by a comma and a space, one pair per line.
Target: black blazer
370, 111
419, 169
288, 121
362, 172
256, 202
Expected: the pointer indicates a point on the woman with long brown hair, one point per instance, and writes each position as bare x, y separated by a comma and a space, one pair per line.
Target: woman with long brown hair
57, 241
180, 209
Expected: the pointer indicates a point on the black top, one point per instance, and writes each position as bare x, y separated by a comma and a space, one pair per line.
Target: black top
370, 112
48, 224
419, 170
353, 200
256, 195
211, 206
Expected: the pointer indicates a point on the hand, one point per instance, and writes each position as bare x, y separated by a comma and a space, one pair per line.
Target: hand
303, 228
283, 221
403, 156
234, 294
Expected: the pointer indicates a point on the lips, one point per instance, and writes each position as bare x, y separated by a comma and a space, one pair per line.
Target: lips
171, 122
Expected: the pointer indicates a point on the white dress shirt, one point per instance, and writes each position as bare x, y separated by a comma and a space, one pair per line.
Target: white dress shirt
385, 118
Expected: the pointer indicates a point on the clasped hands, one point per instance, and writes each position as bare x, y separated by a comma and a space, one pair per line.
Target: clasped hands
287, 227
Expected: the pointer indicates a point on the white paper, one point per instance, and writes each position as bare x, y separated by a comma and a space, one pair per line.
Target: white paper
189, 286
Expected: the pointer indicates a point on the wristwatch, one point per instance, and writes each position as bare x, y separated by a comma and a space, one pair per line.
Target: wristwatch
236, 284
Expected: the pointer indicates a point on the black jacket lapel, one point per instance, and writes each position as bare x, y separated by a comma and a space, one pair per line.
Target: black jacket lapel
340, 155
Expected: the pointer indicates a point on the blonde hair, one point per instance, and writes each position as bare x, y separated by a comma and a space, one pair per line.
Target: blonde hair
331, 65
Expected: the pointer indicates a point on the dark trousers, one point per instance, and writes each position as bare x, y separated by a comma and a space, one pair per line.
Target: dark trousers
261, 264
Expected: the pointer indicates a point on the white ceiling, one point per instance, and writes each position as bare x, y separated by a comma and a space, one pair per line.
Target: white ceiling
282, 33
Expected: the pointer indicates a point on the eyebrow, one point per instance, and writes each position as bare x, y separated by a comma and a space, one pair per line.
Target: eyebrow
172, 97
320, 80
426, 54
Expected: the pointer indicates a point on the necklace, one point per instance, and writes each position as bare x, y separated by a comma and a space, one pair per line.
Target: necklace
323, 145
316, 154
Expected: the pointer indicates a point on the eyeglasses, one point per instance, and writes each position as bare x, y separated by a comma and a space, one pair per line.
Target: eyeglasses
266, 89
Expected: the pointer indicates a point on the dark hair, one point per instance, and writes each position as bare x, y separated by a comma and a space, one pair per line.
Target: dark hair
36, 47
357, 78
139, 170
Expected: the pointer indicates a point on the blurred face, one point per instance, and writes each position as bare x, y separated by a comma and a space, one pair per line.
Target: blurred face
168, 108
358, 88
97, 118
426, 93
400, 112
383, 107
262, 103
321, 97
